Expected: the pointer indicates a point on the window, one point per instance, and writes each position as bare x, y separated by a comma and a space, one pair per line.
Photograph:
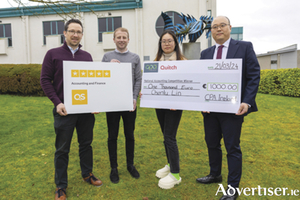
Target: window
54, 28
5, 32
237, 33
159, 26
108, 24
273, 61
237, 36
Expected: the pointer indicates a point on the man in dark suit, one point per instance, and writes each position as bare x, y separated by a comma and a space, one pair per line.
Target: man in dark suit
228, 126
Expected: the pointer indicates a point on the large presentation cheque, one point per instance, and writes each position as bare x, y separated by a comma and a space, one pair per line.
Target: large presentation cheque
201, 85
97, 87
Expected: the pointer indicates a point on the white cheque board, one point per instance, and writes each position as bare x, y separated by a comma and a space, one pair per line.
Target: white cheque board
200, 85
97, 87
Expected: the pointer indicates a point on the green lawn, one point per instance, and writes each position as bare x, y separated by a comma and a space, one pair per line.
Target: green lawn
270, 144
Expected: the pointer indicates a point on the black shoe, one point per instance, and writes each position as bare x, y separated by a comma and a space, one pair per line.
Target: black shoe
132, 170
229, 197
114, 175
210, 179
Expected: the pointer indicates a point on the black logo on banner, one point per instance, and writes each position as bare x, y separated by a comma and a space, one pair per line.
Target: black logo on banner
151, 67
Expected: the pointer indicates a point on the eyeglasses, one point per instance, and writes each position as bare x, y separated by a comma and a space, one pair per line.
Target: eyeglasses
72, 32
221, 26
165, 42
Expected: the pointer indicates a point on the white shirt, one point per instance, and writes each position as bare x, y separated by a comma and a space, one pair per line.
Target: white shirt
224, 50
73, 50
116, 50
224, 53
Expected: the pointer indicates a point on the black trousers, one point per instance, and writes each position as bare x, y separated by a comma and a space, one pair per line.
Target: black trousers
113, 121
169, 122
64, 128
228, 126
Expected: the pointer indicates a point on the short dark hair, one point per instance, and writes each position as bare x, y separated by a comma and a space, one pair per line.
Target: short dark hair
122, 30
177, 49
77, 21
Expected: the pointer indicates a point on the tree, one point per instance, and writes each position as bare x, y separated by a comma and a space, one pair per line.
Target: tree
64, 8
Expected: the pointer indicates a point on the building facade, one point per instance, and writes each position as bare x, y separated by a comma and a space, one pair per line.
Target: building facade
236, 33
287, 57
27, 34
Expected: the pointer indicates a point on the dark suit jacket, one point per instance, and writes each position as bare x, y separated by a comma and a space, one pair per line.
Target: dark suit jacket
250, 69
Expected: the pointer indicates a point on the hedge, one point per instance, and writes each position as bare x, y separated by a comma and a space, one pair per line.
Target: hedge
285, 82
20, 79
24, 79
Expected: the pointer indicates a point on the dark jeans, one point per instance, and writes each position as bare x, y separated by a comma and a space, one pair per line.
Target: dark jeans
228, 126
64, 128
113, 121
169, 122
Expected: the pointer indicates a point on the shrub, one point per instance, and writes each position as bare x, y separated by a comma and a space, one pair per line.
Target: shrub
285, 82
24, 79
21, 79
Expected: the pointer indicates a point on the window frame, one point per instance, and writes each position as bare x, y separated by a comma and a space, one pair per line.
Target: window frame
237, 33
62, 37
112, 28
9, 38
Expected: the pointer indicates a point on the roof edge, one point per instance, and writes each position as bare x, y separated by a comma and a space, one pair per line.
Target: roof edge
71, 8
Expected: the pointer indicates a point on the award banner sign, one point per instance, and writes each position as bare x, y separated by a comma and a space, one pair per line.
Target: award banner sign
97, 87
200, 85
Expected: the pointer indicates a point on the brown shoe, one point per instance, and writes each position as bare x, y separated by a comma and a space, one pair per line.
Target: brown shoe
60, 194
93, 180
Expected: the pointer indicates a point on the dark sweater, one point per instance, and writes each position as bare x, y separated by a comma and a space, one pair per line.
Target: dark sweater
52, 70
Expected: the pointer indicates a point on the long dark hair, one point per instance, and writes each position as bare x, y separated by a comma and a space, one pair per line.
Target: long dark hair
160, 52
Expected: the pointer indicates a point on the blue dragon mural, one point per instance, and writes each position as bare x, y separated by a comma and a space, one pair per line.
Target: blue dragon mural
191, 26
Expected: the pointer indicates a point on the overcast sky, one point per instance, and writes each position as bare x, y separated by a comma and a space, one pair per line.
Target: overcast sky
268, 24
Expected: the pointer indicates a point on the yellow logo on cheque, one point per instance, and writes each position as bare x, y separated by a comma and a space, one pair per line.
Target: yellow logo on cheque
79, 97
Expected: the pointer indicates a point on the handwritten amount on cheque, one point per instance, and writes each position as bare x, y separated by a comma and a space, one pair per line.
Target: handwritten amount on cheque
158, 87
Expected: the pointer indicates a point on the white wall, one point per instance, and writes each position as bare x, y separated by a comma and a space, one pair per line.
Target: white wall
16, 53
288, 60
27, 31
37, 47
90, 39
152, 10
274, 57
